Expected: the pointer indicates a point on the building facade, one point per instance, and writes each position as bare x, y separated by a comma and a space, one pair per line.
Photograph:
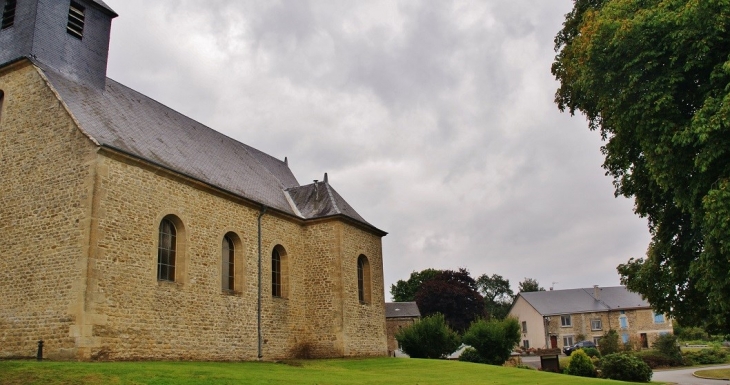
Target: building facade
129, 231
559, 318
399, 315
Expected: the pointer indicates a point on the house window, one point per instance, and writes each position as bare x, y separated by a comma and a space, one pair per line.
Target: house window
228, 264
624, 322
524, 327
526, 344
363, 279
625, 338
567, 340
596, 340
8, 14
565, 321
596, 324
76, 19
166, 251
279, 272
659, 318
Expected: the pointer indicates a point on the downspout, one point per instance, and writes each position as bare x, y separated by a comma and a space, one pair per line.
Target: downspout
258, 315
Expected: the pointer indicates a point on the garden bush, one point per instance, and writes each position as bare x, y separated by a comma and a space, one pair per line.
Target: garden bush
494, 339
580, 365
428, 338
705, 356
592, 352
667, 345
609, 343
471, 355
656, 359
625, 367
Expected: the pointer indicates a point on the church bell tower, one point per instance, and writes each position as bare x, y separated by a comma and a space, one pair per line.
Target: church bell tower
68, 36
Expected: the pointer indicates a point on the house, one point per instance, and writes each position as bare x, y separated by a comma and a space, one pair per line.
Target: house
129, 231
397, 316
560, 318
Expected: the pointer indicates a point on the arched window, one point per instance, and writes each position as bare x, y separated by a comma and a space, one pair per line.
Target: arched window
279, 272
166, 251
228, 264
2, 98
363, 279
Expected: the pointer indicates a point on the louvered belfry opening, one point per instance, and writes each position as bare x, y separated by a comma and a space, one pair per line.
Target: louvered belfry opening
8, 14
76, 17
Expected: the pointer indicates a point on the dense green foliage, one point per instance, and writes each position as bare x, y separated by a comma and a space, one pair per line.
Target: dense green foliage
592, 352
691, 333
705, 357
405, 291
625, 367
453, 294
580, 365
528, 285
373, 371
653, 76
497, 293
667, 345
656, 359
609, 343
471, 355
493, 339
428, 338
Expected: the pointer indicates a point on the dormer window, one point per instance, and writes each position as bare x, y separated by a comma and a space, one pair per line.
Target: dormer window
76, 17
8, 14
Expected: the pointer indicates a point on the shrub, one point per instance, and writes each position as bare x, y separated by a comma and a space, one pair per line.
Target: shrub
667, 345
471, 355
705, 357
428, 338
493, 339
609, 343
656, 359
592, 352
580, 365
625, 367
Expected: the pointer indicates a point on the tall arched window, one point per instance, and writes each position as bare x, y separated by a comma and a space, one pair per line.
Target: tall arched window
166, 251
228, 264
2, 98
276, 273
363, 279
279, 272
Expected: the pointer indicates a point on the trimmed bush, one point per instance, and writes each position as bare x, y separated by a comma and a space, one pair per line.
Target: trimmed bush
609, 343
494, 339
705, 357
471, 355
656, 359
625, 367
667, 345
428, 338
592, 352
580, 365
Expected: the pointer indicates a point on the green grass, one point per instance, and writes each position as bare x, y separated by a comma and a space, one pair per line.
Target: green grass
321, 372
720, 374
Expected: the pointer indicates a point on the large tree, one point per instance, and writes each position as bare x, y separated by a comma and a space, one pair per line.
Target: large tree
653, 76
453, 294
405, 291
497, 293
528, 285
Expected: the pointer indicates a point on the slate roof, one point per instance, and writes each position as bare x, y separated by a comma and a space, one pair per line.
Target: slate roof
128, 121
574, 301
401, 310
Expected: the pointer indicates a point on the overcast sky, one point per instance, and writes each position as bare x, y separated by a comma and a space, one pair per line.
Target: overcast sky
434, 119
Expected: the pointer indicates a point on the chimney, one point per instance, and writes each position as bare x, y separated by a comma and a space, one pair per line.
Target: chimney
326, 178
596, 292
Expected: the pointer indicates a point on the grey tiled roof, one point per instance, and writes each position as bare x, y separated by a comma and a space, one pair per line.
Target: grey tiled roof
125, 120
583, 301
401, 309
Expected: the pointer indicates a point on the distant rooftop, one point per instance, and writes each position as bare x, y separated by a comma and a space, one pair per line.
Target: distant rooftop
569, 301
401, 310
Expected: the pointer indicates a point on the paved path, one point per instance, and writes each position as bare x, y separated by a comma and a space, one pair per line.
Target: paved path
685, 377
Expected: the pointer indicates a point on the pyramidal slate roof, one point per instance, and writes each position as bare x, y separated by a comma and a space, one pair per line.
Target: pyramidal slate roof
125, 120
401, 309
573, 301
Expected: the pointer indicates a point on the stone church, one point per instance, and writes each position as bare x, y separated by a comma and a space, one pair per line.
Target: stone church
129, 231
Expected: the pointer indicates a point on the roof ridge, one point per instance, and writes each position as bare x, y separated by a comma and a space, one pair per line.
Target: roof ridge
332, 197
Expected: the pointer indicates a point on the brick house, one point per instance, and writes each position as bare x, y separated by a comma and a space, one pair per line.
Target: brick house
561, 318
397, 316
130, 231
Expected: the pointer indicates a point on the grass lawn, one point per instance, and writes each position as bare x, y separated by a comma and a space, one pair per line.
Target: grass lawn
322, 372
720, 374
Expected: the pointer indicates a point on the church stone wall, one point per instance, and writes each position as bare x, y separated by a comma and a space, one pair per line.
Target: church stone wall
46, 184
62, 200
